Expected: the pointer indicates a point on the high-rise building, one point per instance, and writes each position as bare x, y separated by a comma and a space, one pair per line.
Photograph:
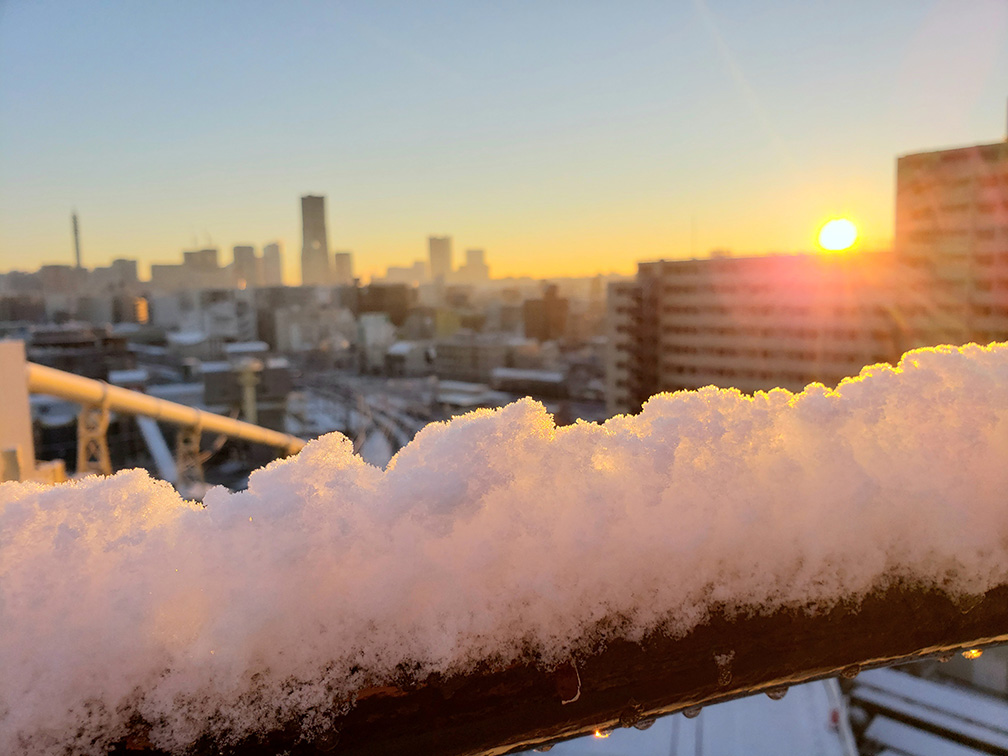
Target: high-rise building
272, 265
315, 242
440, 257
475, 269
952, 227
76, 234
343, 268
247, 267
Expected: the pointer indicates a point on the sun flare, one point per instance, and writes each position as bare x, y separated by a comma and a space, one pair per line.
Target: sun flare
837, 235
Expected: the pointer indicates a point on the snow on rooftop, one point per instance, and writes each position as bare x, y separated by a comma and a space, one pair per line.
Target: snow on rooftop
485, 536
216, 366
122, 377
403, 348
185, 338
246, 347
527, 374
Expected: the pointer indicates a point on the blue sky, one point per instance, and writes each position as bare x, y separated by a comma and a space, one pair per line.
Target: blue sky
562, 137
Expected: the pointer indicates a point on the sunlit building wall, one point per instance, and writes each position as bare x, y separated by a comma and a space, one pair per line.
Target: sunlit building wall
751, 323
952, 227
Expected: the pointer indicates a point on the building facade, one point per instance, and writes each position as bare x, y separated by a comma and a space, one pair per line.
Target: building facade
246, 266
315, 242
440, 257
272, 265
750, 323
952, 229
343, 268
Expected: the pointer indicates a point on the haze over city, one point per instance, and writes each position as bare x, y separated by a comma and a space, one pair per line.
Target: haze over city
464, 378
564, 139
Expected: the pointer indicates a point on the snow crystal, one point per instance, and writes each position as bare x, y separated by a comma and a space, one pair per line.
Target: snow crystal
486, 536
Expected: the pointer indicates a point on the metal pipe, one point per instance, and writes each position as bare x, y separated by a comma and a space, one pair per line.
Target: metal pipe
76, 388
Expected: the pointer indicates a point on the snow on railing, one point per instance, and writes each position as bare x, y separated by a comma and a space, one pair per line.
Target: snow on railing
490, 540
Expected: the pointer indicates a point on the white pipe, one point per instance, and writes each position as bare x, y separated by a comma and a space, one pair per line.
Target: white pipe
76, 388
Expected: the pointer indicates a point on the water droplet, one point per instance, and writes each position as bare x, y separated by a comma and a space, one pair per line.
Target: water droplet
692, 712
644, 724
776, 694
850, 672
972, 653
946, 656
543, 748
603, 732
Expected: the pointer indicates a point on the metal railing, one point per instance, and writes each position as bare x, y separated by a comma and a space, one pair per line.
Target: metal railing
98, 399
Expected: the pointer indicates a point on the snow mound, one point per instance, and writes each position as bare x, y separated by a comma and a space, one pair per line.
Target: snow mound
485, 537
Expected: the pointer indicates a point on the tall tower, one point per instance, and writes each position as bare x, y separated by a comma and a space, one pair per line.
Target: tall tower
440, 257
76, 231
315, 243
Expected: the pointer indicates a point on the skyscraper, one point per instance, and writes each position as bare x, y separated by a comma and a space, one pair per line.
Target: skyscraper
247, 267
440, 257
272, 265
315, 243
343, 268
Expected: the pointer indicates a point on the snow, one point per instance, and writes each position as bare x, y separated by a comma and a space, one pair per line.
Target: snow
185, 338
485, 536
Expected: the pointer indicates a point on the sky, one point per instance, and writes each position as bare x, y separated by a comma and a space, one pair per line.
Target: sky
564, 138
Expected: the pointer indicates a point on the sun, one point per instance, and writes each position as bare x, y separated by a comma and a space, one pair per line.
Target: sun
837, 235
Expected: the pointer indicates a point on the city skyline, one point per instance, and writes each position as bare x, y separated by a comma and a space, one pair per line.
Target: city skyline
562, 142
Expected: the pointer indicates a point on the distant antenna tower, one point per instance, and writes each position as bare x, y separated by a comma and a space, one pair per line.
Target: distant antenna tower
76, 231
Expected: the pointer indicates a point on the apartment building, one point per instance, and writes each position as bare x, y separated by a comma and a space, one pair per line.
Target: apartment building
952, 228
753, 323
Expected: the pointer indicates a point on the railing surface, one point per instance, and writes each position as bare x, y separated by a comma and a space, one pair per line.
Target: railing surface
89, 392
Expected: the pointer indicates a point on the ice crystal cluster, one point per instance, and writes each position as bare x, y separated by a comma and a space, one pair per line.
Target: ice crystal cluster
486, 536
